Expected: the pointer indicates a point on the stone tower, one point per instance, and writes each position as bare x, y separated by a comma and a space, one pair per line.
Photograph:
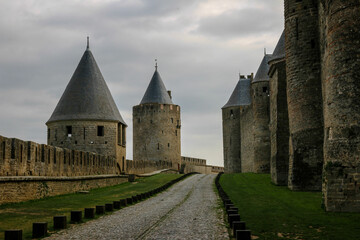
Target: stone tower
156, 125
279, 120
340, 26
261, 117
231, 125
304, 94
86, 117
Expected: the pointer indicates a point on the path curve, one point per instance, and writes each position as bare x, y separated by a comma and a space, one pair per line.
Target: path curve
187, 210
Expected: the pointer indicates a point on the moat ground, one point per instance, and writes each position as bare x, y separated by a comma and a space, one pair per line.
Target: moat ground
273, 212
22, 215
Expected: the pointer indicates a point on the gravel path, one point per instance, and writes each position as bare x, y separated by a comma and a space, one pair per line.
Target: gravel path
188, 210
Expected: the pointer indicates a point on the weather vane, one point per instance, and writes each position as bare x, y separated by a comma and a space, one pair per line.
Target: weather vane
87, 46
156, 65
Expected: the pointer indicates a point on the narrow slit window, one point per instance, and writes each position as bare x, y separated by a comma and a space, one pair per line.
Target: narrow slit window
100, 131
69, 131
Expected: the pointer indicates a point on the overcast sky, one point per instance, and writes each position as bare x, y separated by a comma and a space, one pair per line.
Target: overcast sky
201, 45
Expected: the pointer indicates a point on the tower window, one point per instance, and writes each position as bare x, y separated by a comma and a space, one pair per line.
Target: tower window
231, 113
265, 89
100, 131
158, 146
168, 144
172, 120
69, 131
175, 132
139, 120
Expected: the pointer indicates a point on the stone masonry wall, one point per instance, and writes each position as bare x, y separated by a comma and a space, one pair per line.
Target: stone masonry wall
84, 137
141, 166
261, 116
20, 158
340, 25
304, 94
279, 123
231, 139
156, 133
247, 138
18, 189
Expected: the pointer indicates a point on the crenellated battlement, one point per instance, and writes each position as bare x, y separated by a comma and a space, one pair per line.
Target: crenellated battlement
26, 158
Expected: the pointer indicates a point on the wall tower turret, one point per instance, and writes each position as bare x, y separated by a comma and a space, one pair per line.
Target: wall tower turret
304, 94
156, 125
86, 117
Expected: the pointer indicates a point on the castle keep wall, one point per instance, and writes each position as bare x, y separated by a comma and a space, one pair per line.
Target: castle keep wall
231, 139
341, 91
304, 94
247, 138
260, 107
101, 137
279, 124
156, 133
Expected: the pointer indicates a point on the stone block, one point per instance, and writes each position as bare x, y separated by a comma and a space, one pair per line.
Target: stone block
15, 234
100, 209
89, 212
243, 235
238, 225
232, 218
59, 222
109, 207
39, 229
76, 216
117, 204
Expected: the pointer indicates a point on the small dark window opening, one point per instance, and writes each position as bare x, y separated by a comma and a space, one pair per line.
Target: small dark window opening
168, 144
100, 131
139, 120
84, 133
151, 121
265, 89
172, 120
55, 136
175, 132
12, 148
231, 113
158, 147
29, 151
312, 43
69, 131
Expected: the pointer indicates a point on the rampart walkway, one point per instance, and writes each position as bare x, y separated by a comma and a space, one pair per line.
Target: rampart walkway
188, 210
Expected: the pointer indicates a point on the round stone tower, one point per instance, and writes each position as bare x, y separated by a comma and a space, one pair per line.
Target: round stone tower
156, 125
279, 120
231, 125
86, 117
304, 94
260, 105
341, 91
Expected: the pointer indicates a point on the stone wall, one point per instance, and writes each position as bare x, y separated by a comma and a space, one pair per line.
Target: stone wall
190, 164
18, 189
101, 137
304, 94
340, 26
279, 123
247, 138
20, 158
156, 133
231, 139
261, 118
141, 166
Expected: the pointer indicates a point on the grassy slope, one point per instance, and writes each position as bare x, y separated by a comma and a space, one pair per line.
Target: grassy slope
22, 215
272, 212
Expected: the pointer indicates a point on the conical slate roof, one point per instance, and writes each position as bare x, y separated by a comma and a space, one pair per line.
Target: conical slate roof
241, 94
262, 72
279, 51
156, 91
86, 96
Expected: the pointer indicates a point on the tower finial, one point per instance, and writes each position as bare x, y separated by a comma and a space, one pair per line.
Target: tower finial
87, 46
156, 65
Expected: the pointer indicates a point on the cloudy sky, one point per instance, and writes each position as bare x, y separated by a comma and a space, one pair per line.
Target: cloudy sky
201, 45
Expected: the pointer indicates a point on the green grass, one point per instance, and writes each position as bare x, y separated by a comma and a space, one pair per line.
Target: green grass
273, 212
22, 215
